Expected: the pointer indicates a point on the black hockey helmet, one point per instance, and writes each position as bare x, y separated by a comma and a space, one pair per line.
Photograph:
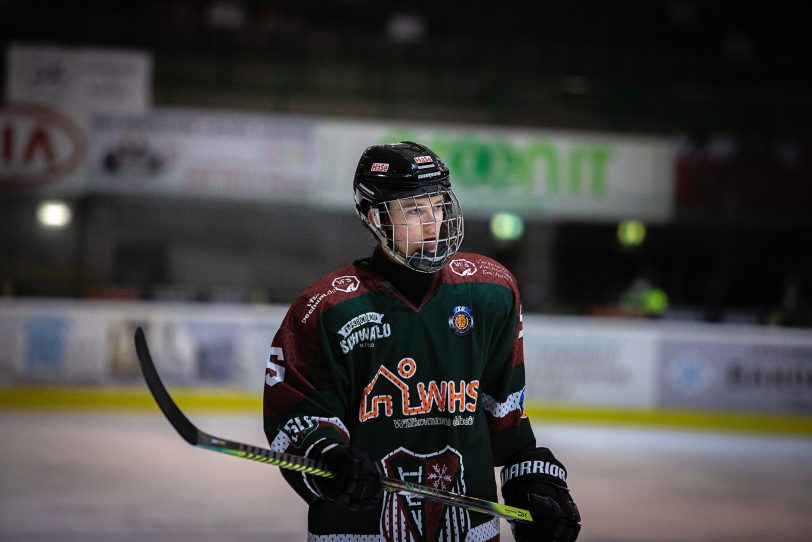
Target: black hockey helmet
407, 173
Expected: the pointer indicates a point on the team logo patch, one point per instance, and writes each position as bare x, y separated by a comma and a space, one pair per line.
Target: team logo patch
461, 320
347, 283
462, 267
407, 517
380, 166
423, 159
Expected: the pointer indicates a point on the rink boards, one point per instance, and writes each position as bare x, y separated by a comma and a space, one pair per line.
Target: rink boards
76, 354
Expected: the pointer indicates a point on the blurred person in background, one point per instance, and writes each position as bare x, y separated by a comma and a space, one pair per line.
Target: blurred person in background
409, 364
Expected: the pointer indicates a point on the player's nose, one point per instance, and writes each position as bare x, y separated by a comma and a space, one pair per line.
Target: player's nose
429, 228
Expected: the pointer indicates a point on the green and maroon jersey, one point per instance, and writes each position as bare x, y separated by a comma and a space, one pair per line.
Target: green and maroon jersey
434, 393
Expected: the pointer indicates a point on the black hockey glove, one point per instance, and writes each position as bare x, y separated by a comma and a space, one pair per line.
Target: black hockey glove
536, 480
357, 485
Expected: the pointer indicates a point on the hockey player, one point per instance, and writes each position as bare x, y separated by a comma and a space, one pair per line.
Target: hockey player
409, 364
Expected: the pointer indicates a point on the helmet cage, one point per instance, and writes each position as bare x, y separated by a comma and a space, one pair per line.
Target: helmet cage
422, 231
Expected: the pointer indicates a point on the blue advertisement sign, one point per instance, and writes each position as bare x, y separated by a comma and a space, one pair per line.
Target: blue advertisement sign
45, 343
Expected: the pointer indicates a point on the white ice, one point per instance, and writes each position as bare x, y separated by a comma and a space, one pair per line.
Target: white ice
129, 477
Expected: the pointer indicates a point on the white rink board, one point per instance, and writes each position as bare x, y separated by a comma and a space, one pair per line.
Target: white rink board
75, 342
579, 361
586, 363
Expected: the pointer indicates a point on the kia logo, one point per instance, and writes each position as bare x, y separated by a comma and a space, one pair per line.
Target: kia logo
38, 144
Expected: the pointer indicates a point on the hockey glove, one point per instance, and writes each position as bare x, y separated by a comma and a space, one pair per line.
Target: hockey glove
536, 480
357, 485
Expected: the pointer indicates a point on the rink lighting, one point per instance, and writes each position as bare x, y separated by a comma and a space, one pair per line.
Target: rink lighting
506, 226
54, 214
631, 233
655, 301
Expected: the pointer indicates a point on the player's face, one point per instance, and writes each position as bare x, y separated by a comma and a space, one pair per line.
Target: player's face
416, 223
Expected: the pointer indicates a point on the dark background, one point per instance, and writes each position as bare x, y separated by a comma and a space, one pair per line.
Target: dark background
729, 80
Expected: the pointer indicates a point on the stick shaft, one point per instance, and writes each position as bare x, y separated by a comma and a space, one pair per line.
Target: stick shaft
196, 437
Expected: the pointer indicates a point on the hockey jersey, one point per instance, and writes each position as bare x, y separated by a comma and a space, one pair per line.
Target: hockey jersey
433, 392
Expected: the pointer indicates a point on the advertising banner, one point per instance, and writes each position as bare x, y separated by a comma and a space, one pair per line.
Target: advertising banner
52, 344
547, 173
91, 343
50, 96
83, 81
571, 361
89, 128
748, 374
203, 153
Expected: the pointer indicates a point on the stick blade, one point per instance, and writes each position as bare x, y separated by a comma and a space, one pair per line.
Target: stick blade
167, 405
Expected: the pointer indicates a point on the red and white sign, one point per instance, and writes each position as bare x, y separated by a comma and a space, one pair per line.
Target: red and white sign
381, 167
38, 145
423, 159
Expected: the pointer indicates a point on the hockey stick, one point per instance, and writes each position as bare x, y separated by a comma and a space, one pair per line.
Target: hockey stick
196, 437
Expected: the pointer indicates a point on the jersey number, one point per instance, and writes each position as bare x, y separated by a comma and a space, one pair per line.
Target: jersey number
275, 372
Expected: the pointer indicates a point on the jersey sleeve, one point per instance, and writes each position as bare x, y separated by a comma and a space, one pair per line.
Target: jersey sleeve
304, 400
502, 394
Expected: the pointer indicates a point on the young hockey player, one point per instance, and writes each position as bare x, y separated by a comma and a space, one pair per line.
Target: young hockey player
409, 364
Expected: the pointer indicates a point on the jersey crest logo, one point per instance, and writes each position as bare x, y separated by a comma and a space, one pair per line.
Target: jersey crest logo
407, 517
347, 283
461, 320
463, 267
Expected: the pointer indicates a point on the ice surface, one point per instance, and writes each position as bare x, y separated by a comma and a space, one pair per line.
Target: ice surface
129, 477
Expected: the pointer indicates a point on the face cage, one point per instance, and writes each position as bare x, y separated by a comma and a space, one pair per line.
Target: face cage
439, 229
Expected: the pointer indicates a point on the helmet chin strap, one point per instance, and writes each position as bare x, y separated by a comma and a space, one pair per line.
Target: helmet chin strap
426, 256
425, 262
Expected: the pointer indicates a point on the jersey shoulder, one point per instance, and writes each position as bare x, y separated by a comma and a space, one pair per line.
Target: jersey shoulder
349, 282
470, 267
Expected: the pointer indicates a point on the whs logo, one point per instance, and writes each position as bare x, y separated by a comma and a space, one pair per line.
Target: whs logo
413, 399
